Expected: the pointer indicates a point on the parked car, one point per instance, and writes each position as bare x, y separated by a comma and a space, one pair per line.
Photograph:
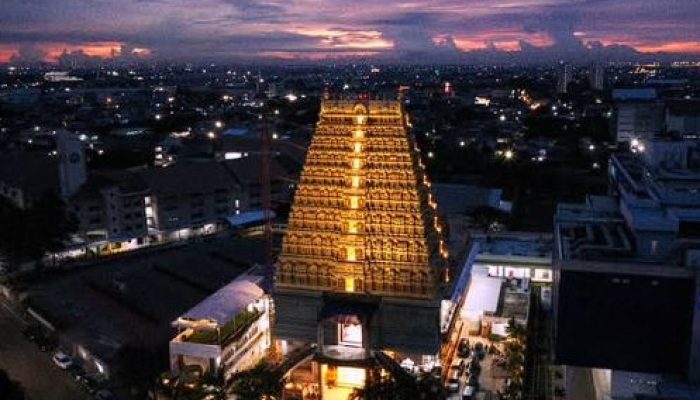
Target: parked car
463, 348
468, 392
62, 360
453, 385
479, 350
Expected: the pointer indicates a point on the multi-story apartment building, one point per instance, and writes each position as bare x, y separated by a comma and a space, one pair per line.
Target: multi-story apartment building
188, 198
626, 278
639, 113
683, 117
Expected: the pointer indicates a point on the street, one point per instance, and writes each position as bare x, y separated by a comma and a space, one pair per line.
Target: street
34, 370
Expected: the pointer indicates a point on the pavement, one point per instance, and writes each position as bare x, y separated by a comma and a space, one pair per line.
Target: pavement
34, 370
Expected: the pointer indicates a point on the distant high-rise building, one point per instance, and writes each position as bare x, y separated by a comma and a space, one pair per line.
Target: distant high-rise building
566, 75
596, 77
639, 113
72, 168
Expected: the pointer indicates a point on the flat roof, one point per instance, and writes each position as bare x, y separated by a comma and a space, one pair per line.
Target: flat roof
483, 296
248, 217
222, 306
516, 247
130, 301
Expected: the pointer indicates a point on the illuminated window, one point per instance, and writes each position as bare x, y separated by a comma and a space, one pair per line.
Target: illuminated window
349, 285
351, 257
355, 181
356, 163
350, 334
358, 134
357, 147
352, 226
360, 119
354, 202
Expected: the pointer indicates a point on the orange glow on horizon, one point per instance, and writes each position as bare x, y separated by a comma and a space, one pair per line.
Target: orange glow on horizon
499, 40
347, 39
53, 51
691, 47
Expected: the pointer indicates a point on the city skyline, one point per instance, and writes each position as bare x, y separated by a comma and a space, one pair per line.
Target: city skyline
284, 31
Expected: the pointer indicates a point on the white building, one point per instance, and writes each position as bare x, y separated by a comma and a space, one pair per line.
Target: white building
227, 332
522, 255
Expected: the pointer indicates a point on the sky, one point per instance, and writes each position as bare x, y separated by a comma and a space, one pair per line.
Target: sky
411, 31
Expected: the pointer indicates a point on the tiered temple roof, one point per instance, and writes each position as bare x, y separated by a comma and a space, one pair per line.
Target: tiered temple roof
363, 219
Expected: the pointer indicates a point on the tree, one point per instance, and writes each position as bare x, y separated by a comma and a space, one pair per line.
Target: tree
259, 382
516, 331
9, 389
40, 229
388, 387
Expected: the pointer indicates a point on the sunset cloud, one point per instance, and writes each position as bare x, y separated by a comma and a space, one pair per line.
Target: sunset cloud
449, 30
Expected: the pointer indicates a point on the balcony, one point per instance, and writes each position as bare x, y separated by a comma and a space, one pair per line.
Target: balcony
228, 333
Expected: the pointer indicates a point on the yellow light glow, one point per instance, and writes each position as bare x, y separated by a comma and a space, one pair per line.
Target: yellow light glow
353, 377
358, 134
352, 226
357, 147
349, 285
356, 163
354, 202
355, 181
360, 119
351, 257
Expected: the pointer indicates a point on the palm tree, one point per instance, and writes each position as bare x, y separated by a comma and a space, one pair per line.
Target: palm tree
516, 331
387, 387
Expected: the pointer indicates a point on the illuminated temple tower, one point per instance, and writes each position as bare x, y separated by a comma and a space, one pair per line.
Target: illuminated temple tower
363, 261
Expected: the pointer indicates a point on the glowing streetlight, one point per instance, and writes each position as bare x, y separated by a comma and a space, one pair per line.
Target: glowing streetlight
508, 154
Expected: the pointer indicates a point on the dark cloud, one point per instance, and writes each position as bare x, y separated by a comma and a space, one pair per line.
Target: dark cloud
420, 30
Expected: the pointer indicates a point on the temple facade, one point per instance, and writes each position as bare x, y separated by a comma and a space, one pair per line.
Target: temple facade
363, 260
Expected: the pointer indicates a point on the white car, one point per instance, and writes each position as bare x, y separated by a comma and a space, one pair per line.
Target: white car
62, 360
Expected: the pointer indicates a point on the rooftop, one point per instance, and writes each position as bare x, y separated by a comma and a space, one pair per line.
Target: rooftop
514, 246
222, 306
131, 301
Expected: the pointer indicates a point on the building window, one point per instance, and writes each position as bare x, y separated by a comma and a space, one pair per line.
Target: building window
350, 335
654, 246
349, 285
351, 254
